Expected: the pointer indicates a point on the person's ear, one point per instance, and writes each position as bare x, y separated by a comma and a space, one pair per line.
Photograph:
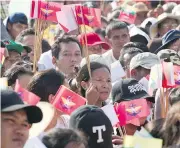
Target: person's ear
133, 73
51, 98
54, 60
84, 85
107, 40
9, 26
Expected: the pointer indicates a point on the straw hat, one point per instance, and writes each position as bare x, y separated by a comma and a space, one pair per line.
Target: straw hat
48, 114
161, 18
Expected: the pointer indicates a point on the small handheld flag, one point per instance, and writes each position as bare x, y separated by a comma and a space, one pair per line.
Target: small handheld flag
67, 101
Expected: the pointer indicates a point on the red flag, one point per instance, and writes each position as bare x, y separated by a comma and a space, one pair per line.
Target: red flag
26, 96
67, 101
127, 16
135, 109
120, 111
91, 16
44, 10
168, 75
177, 74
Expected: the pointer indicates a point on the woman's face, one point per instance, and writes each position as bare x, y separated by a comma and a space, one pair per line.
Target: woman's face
102, 79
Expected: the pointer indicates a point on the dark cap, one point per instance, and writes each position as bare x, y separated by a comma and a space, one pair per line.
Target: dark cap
95, 124
168, 38
10, 101
18, 17
128, 89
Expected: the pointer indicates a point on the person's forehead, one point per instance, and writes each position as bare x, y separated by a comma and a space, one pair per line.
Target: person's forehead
19, 113
168, 19
118, 32
70, 47
13, 54
18, 23
29, 39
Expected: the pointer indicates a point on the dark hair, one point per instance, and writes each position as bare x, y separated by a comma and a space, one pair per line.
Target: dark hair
171, 127
45, 46
56, 47
59, 138
115, 26
139, 45
101, 31
26, 64
154, 127
83, 74
24, 33
128, 50
45, 83
174, 96
14, 72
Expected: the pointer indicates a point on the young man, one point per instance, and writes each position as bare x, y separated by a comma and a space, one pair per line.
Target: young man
127, 53
67, 55
27, 38
16, 23
140, 65
16, 119
117, 34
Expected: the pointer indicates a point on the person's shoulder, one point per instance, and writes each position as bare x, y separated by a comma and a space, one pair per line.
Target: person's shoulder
107, 53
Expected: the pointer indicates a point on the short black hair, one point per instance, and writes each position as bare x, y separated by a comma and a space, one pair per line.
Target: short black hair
83, 74
174, 96
139, 45
128, 50
56, 47
59, 138
45, 83
14, 72
115, 26
45, 46
24, 33
101, 31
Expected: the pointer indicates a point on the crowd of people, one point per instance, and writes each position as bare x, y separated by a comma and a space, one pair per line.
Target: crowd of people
152, 38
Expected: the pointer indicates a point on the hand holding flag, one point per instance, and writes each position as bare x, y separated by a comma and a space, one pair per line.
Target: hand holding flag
67, 101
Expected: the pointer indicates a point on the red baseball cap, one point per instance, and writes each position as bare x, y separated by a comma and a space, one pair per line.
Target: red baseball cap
92, 40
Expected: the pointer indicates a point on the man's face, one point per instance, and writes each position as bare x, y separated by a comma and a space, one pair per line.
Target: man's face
166, 25
29, 41
13, 57
118, 38
69, 58
127, 59
138, 74
15, 129
16, 28
97, 49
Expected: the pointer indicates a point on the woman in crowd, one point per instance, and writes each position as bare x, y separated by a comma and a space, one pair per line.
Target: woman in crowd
97, 87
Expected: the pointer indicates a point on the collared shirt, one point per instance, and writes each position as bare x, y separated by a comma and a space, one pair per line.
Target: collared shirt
108, 56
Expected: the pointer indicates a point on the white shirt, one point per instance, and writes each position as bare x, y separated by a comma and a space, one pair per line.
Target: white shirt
45, 61
108, 56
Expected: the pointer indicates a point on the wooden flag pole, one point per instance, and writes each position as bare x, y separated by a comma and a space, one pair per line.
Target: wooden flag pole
86, 47
167, 101
162, 103
120, 130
